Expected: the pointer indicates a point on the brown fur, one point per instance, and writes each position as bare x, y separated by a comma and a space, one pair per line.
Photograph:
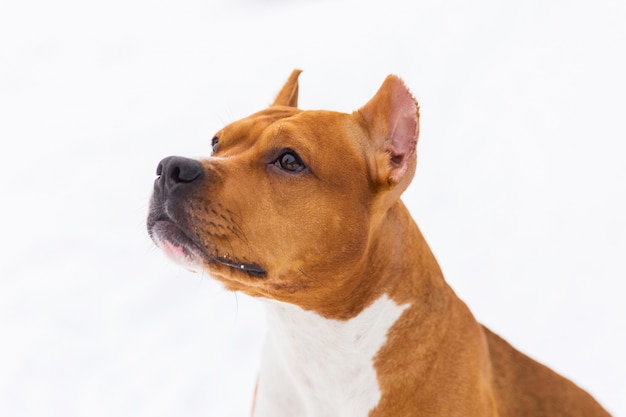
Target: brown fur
336, 238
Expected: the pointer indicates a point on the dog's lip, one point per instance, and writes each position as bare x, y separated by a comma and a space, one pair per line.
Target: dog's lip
174, 242
253, 270
183, 249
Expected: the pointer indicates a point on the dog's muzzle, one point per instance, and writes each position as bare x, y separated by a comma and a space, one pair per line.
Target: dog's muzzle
167, 225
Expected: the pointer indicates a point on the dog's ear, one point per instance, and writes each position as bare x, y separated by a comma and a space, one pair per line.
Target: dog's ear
392, 120
288, 95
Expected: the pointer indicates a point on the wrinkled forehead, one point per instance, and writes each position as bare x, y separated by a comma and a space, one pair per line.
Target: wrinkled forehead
256, 123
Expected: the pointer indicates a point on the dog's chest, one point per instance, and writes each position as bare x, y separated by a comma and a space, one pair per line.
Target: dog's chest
314, 366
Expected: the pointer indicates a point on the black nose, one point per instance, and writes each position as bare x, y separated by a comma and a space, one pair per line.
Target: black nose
176, 171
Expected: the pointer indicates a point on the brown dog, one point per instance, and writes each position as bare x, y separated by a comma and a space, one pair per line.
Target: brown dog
302, 209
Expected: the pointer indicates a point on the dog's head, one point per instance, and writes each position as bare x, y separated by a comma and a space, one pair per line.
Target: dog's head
287, 204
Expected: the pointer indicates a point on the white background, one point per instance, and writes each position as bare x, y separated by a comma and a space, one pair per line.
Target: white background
520, 188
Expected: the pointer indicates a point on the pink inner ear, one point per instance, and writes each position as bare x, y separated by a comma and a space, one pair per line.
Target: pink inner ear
402, 125
392, 117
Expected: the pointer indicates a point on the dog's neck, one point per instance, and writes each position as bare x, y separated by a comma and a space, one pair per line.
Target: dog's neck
403, 264
331, 361
397, 262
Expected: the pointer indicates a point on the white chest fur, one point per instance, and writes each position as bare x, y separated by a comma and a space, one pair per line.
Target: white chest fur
313, 366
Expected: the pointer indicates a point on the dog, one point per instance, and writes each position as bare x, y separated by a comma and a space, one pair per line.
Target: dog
302, 209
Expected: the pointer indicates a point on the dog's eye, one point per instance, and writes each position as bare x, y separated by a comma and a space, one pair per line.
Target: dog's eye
290, 161
214, 143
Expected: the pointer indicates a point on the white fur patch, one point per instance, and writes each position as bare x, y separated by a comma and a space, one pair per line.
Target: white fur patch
313, 366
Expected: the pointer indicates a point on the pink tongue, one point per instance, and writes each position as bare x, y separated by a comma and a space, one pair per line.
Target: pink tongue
175, 252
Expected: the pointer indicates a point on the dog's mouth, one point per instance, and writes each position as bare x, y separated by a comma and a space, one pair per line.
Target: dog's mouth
183, 250
250, 269
175, 243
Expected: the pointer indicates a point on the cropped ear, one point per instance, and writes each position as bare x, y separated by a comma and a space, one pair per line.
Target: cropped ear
392, 119
288, 95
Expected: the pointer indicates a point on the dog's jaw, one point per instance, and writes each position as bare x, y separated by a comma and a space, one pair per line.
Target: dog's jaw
184, 251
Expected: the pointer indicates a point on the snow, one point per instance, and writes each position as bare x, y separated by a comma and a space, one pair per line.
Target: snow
520, 188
